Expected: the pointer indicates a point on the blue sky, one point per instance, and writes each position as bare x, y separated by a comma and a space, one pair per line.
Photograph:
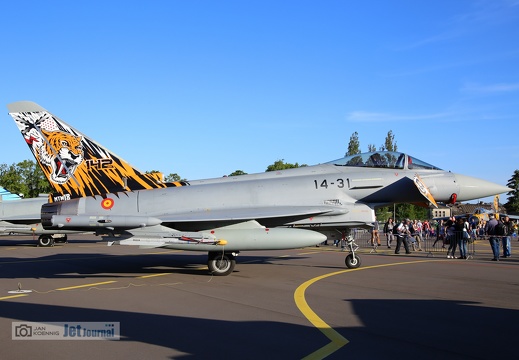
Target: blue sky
204, 88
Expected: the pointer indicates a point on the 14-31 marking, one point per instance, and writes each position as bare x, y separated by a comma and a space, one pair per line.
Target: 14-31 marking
324, 184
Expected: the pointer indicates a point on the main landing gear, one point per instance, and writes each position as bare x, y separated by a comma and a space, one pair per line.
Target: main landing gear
49, 240
45, 240
221, 263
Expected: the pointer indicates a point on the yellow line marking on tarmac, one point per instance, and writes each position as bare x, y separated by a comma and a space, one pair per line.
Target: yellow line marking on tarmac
12, 296
85, 285
337, 341
83, 258
149, 276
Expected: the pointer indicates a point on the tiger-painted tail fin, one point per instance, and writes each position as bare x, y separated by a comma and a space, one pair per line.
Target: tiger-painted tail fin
74, 164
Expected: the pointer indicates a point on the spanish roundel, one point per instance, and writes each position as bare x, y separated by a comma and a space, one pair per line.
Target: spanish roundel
107, 203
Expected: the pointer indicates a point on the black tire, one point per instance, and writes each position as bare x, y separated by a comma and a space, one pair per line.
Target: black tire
352, 262
221, 264
45, 241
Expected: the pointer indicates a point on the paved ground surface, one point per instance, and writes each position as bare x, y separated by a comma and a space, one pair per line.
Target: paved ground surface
287, 304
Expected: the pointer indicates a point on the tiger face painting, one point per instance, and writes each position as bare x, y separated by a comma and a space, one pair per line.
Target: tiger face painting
62, 153
75, 165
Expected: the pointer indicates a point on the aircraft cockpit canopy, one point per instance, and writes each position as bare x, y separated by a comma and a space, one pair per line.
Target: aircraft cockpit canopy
384, 159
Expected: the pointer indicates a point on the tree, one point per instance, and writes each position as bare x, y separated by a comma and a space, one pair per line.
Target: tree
383, 213
406, 211
281, 165
353, 145
25, 178
238, 172
159, 176
33, 178
172, 178
390, 143
512, 206
403, 211
10, 178
169, 178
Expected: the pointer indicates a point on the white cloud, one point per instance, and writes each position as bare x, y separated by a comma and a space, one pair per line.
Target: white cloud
483, 14
489, 12
489, 89
366, 116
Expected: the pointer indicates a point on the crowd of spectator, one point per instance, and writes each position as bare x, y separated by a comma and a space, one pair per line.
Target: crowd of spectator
453, 234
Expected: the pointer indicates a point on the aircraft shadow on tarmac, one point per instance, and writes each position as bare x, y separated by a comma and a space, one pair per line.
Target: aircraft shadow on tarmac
25, 241
403, 329
432, 329
98, 265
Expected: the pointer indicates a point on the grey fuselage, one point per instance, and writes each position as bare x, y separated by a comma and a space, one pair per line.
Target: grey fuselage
315, 196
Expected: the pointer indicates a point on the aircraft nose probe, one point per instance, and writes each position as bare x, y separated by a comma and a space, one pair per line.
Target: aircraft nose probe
471, 188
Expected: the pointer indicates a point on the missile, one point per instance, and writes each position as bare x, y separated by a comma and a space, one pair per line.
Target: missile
253, 239
223, 239
89, 222
268, 238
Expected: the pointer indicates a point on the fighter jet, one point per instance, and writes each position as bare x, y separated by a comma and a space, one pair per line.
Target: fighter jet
7, 195
96, 190
23, 216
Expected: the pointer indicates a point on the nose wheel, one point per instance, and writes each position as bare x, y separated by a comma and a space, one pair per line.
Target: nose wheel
352, 261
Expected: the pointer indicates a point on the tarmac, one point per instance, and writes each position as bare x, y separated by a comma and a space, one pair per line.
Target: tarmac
284, 304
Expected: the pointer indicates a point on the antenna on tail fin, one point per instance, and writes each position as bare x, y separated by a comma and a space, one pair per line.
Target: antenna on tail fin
74, 164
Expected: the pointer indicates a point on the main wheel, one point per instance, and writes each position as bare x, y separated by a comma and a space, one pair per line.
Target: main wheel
221, 264
352, 262
45, 240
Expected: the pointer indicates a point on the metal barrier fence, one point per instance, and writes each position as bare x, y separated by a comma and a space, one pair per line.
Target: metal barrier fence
432, 245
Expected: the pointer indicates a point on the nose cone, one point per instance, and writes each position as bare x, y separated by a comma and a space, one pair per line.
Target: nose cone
471, 188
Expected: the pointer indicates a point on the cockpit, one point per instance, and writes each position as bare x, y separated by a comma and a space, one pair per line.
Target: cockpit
384, 159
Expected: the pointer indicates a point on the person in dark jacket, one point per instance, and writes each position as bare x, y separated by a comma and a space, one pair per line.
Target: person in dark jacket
402, 233
490, 231
450, 237
505, 240
388, 230
460, 228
